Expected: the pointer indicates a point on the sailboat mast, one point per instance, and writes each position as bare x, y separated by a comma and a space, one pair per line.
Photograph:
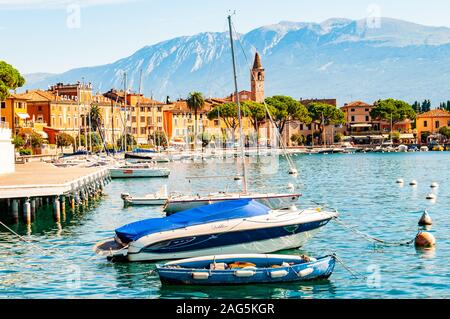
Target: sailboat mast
244, 181
126, 113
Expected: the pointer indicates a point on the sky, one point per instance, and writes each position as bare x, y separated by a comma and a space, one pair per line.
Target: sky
57, 35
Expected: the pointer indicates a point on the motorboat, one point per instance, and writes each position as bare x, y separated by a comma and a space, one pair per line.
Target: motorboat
177, 203
154, 199
239, 226
402, 148
237, 269
129, 170
424, 149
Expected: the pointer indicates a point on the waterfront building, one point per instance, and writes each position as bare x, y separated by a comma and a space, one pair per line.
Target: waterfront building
7, 160
13, 111
430, 122
363, 129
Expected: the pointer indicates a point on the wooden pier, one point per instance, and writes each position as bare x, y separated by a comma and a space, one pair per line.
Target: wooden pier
36, 184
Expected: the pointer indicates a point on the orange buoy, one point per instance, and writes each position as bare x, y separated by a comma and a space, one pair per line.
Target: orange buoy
425, 219
425, 239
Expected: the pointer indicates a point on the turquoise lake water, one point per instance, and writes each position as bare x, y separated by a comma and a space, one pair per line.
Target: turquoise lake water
59, 261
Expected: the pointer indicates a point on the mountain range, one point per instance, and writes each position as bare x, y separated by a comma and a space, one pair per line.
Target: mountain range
338, 58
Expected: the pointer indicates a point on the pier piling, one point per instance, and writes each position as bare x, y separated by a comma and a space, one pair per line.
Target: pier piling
27, 211
15, 210
56, 209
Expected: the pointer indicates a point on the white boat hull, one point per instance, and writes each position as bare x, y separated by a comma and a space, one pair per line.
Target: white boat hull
140, 172
274, 201
261, 247
145, 201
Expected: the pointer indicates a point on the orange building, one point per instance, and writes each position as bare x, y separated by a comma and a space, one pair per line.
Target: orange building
14, 112
431, 121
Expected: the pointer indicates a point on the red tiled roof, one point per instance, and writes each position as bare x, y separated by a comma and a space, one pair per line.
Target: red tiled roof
434, 113
356, 104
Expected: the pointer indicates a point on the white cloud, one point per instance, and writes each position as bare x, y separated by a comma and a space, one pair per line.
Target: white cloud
53, 4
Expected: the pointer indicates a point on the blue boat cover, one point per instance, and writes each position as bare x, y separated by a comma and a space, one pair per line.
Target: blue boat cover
230, 209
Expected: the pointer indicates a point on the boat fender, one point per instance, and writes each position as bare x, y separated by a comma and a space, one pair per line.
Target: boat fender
244, 272
278, 273
425, 239
305, 272
218, 266
200, 275
318, 209
413, 182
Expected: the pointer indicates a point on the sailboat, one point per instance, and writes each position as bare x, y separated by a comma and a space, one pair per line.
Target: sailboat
273, 200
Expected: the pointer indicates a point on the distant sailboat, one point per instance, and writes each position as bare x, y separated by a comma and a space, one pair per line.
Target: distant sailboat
273, 200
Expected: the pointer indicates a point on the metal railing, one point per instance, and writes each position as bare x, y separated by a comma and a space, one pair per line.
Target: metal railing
4, 125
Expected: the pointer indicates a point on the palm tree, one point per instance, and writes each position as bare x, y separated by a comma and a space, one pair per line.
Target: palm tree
195, 102
96, 117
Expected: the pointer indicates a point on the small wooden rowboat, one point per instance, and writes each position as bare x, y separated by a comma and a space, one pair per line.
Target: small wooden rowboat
245, 269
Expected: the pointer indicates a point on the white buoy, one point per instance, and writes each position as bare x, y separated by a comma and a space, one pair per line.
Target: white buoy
290, 186
434, 185
413, 182
425, 219
431, 196
293, 171
400, 181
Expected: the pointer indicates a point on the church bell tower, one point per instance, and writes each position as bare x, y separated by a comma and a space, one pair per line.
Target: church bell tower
257, 80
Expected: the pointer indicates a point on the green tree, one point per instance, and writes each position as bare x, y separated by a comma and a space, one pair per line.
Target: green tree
35, 140
130, 141
395, 110
298, 138
417, 107
205, 137
195, 103
256, 112
445, 131
96, 117
64, 140
18, 141
227, 112
160, 138
325, 114
285, 109
10, 79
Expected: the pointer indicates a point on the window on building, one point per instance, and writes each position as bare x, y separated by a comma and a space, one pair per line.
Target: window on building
134, 130
216, 122
68, 121
301, 126
149, 109
436, 124
352, 110
142, 109
448, 123
353, 118
133, 119
149, 120
40, 119
142, 119
159, 119
425, 123
159, 108
53, 122
3, 105
367, 110
39, 108
75, 121
367, 118
3, 119
143, 130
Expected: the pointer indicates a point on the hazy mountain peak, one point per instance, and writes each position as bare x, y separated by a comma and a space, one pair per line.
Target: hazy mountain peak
338, 57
